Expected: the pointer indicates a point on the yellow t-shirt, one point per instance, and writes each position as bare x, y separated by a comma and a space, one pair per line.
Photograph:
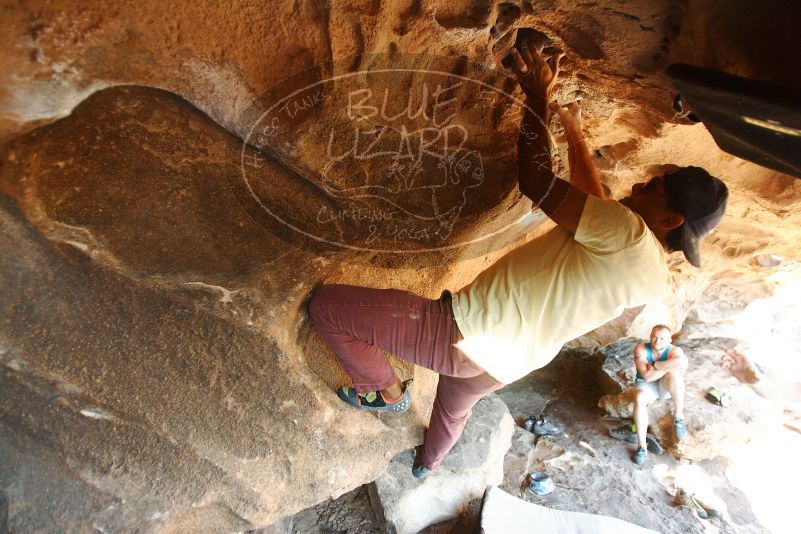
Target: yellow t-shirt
516, 315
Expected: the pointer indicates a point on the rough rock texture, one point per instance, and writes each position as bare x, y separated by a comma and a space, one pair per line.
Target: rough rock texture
617, 370
711, 429
406, 505
154, 339
157, 366
349, 514
221, 58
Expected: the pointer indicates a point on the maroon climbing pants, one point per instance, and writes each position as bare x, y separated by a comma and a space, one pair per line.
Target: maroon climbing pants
357, 322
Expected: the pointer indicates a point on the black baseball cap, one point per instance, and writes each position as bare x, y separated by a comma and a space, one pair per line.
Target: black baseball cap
701, 198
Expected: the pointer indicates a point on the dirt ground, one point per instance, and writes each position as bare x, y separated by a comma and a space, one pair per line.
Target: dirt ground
592, 472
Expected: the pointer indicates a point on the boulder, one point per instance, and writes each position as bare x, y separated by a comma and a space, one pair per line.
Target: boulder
617, 370
406, 505
618, 405
157, 368
616, 377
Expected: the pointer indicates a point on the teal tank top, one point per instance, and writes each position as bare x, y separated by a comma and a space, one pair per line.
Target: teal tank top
650, 356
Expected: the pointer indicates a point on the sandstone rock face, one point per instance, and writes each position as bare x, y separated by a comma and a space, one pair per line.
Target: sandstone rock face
407, 505
617, 371
158, 370
157, 363
222, 59
711, 429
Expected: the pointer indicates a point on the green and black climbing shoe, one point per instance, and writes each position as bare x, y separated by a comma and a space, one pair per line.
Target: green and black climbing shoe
629, 433
375, 400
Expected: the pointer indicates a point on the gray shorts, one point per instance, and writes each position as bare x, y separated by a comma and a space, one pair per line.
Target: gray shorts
655, 390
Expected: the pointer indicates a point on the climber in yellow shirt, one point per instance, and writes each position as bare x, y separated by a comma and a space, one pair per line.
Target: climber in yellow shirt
602, 256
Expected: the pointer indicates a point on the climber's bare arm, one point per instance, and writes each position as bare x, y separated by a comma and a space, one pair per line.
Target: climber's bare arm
675, 362
583, 173
642, 365
560, 201
769, 387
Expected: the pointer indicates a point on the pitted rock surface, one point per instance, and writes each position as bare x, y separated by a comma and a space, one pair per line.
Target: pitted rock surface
153, 331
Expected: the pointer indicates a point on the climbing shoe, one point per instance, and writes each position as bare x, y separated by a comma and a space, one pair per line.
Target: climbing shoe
542, 427
375, 400
685, 498
639, 456
680, 428
716, 396
711, 511
624, 433
418, 470
628, 433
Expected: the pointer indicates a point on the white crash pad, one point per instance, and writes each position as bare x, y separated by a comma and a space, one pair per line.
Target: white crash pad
506, 514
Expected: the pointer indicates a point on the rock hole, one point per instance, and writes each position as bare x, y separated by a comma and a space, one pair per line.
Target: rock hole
463, 13
582, 42
508, 14
406, 18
